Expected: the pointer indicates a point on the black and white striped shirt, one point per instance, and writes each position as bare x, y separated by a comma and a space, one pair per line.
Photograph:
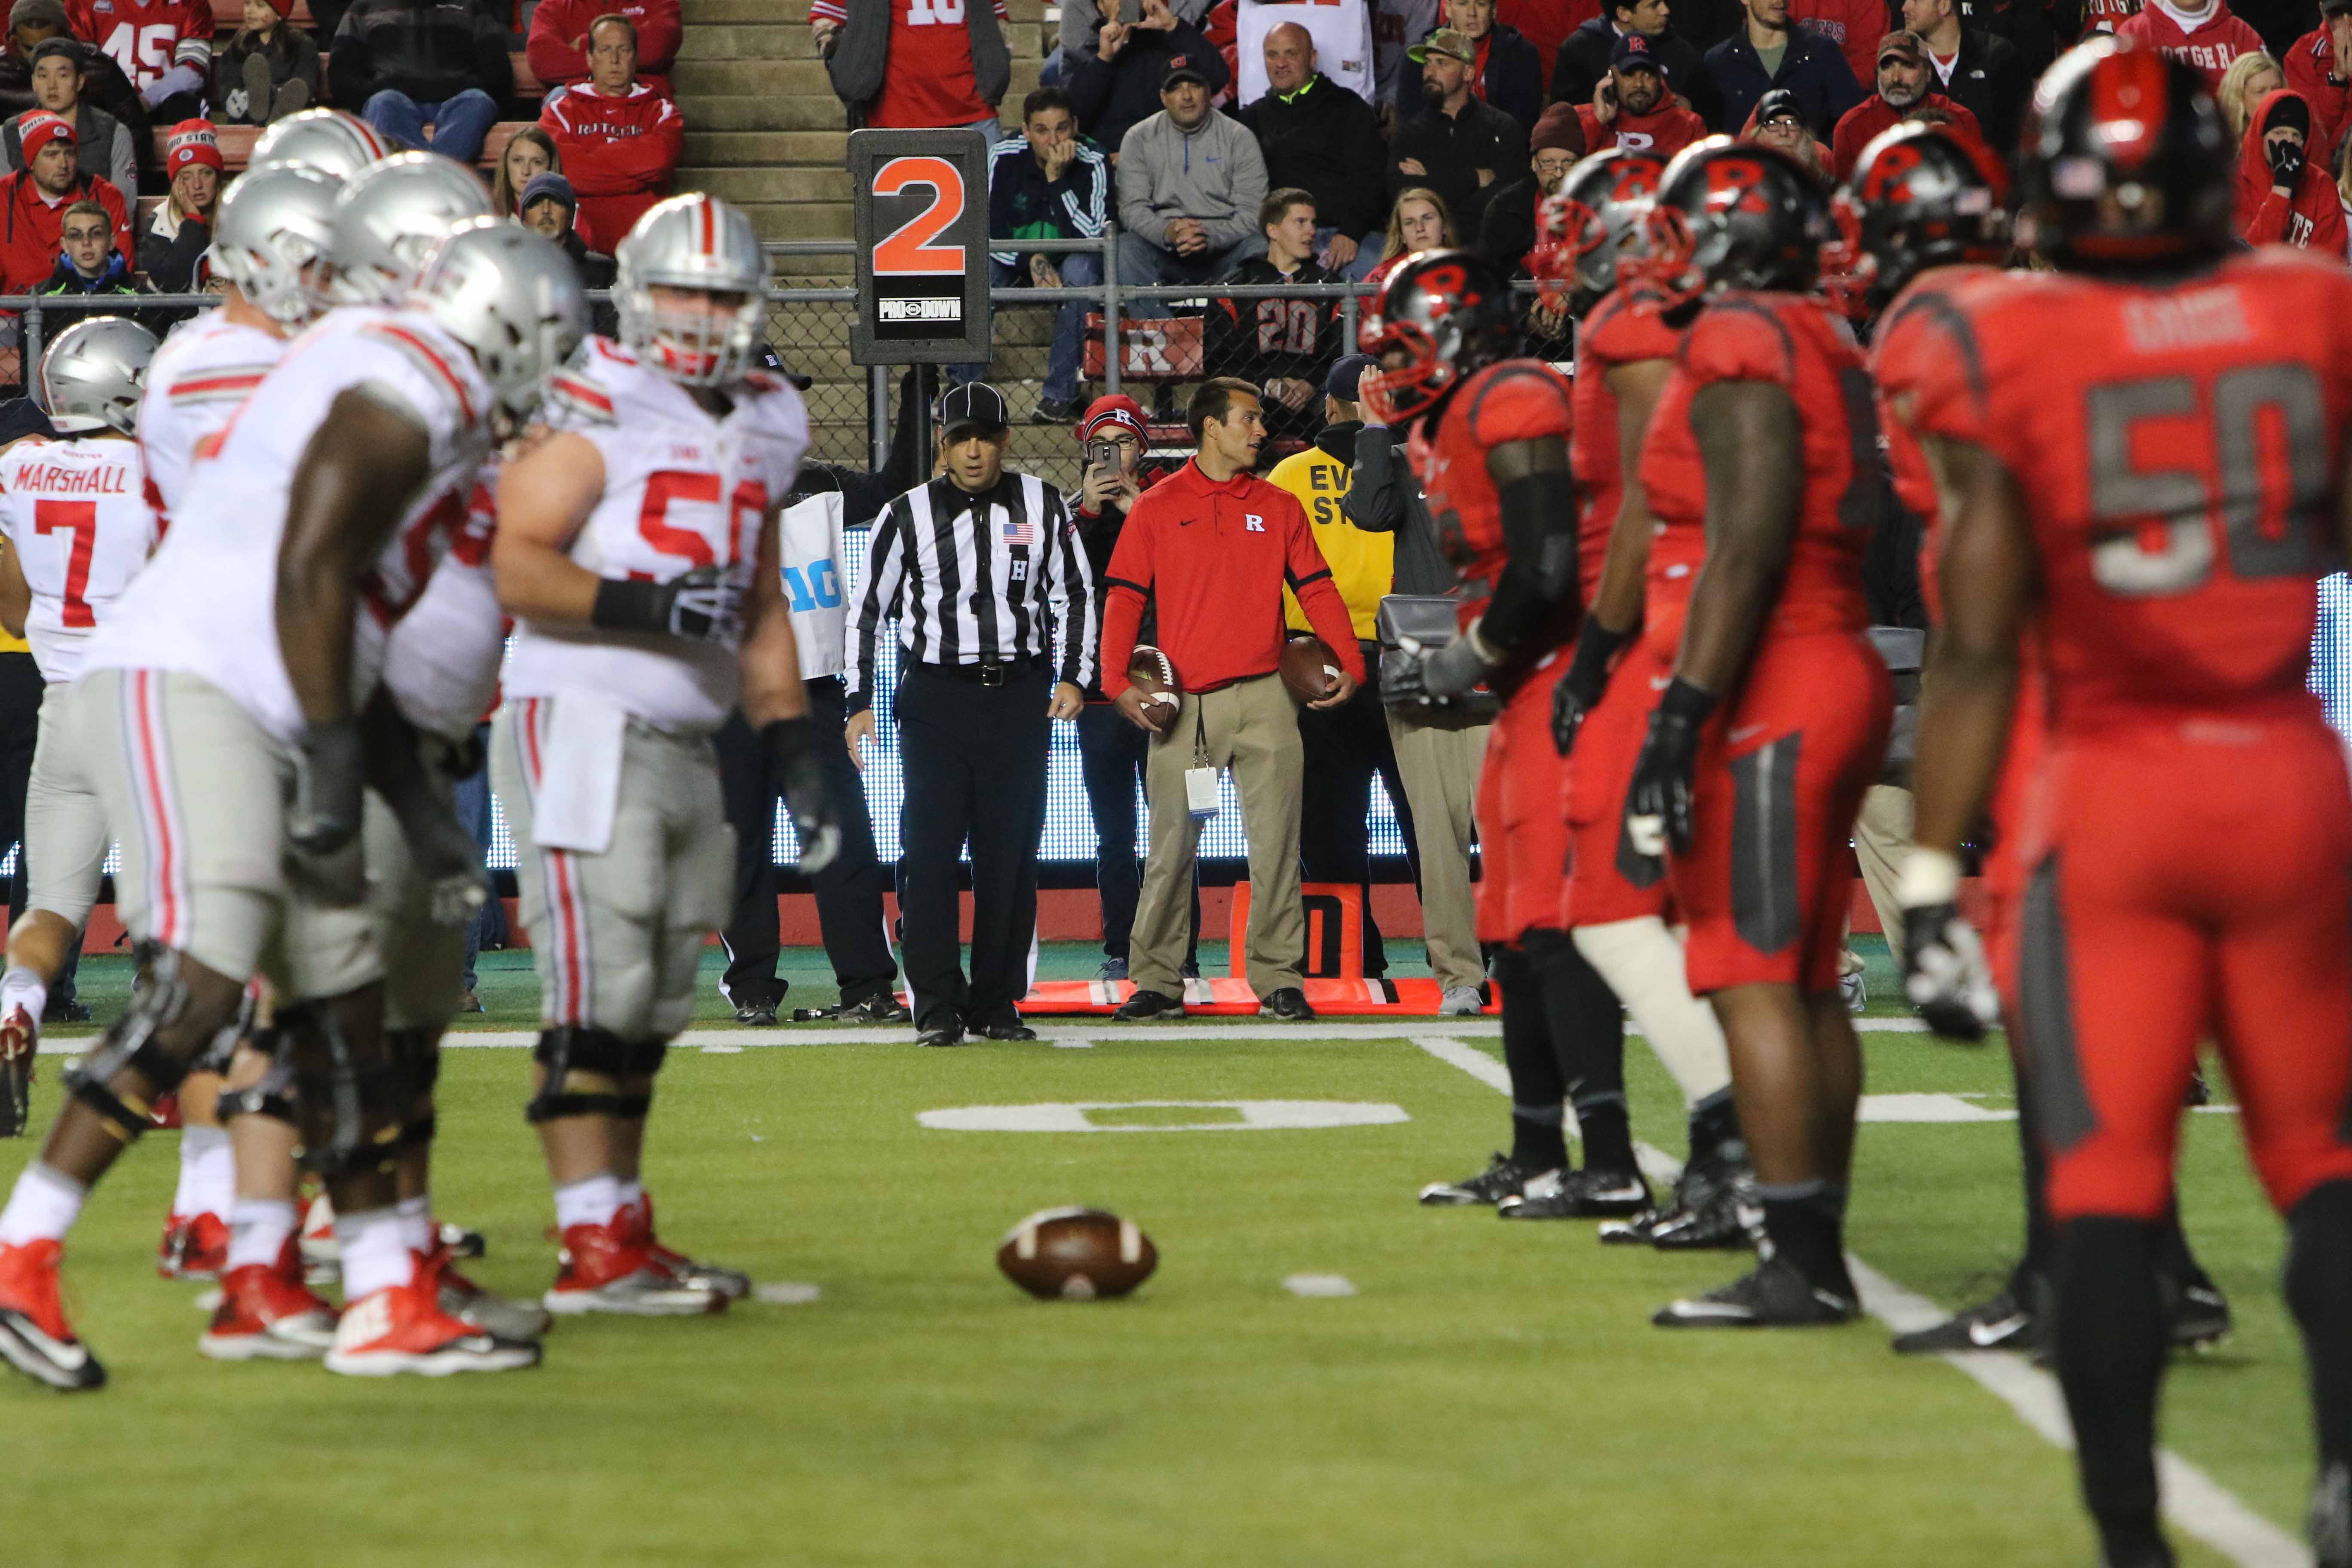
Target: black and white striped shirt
977, 579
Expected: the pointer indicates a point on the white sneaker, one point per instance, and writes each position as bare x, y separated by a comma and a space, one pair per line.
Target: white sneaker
1460, 1002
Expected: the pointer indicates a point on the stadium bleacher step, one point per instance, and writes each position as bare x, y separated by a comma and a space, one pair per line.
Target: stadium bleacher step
746, 41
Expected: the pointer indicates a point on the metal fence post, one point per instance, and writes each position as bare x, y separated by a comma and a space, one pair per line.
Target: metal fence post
32, 358
1347, 327
877, 415
1112, 337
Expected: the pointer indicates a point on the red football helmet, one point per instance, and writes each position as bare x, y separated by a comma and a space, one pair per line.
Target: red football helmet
1734, 215
1584, 229
1444, 315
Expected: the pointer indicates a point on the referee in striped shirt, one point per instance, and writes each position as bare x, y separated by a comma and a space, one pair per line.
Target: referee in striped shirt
980, 568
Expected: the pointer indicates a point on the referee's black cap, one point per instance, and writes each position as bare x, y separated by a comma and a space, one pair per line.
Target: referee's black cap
973, 404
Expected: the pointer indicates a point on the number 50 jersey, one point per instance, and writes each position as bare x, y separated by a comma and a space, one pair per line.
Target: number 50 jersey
683, 489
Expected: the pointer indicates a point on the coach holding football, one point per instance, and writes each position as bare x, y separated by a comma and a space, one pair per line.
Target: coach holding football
1210, 546
979, 566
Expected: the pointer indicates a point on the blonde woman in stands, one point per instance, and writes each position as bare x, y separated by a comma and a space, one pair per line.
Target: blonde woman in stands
1419, 221
269, 71
2250, 77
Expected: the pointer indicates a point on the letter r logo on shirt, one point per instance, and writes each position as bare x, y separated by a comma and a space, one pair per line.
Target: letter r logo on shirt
1253, 523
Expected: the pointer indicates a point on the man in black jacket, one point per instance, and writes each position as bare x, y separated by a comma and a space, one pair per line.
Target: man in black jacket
31, 24
1283, 347
1769, 54
1583, 59
408, 62
1979, 72
1121, 84
1317, 136
1506, 70
1456, 145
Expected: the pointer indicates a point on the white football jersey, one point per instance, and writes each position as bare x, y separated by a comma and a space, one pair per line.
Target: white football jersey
682, 489
441, 664
201, 375
812, 553
75, 513
209, 607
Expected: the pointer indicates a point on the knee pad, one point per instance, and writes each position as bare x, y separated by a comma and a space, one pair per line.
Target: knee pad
351, 1112
417, 1053
271, 1095
158, 999
576, 1047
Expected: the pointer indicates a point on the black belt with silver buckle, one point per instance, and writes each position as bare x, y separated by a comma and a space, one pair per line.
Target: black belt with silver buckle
994, 673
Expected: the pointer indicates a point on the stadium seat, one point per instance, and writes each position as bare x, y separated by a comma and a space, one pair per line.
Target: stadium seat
1154, 348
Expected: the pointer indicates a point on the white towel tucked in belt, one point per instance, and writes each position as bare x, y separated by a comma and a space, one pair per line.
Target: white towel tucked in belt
579, 775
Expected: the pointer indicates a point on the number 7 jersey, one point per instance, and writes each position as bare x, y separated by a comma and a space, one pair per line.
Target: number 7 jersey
75, 513
683, 489
2179, 447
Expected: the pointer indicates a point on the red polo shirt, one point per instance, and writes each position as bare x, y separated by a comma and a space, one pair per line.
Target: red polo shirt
1213, 558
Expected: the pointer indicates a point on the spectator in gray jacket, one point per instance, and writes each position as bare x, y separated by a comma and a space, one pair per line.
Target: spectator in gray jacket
1190, 181
106, 143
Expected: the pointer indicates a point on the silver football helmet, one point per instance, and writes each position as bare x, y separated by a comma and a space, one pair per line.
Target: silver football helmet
700, 242
336, 144
272, 224
390, 216
94, 373
513, 297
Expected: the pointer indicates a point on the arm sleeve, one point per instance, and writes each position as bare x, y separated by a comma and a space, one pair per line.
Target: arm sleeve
493, 67
1085, 189
1309, 577
1373, 503
658, 37
1135, 210
1248, 178
1089, 84
350, 67
553, 56
2266, 224
122, 160
1125, 585
885, 580
1070, 588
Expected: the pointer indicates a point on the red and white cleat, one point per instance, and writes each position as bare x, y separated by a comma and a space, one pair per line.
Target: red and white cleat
266, 1313
402, 1328
607, 1270
485, 1310
35, 1338
323, 1255
166, 1113
20, 1044
638, 1220
195, 1247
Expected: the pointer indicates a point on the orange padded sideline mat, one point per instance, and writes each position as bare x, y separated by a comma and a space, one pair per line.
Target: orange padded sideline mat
1234, 998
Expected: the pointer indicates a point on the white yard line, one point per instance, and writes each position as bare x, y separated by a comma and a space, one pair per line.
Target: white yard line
2195, 1503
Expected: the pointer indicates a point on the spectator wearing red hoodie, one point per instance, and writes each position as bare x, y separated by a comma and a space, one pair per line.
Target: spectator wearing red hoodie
2283, 198
1902, 76
557, 48
33, 199
621, 140
2319, 67
1630, 106
2205, 38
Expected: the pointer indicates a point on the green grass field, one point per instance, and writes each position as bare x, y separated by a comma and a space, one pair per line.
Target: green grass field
1491, 1394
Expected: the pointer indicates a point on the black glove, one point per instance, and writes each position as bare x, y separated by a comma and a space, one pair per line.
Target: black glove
1658, 801
325, 813
700, 606
2286, 161
1412, 676
1580, 690
793, 742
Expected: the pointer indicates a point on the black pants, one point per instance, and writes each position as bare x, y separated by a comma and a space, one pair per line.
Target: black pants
1344, 747
1112, 754
975, 766
849, 912
20, 729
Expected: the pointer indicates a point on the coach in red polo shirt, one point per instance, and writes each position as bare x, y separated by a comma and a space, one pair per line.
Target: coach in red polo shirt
1211, 547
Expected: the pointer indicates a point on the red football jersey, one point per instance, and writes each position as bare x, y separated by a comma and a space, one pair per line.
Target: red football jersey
1512, 400
1627, 326
1921, 355
147, 38
1797, 341
2179, 446
930, 82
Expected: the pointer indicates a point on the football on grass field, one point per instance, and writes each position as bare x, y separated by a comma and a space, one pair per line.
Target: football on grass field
1076, 1254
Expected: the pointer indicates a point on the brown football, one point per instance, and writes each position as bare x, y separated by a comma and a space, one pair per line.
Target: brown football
1076, 1254
1310, 670
1163, 689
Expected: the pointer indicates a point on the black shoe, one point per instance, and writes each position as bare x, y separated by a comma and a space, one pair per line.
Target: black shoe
1579, 1195
2002, 1323
64, 1365
1010, 1028
2331, 1517
1702, 1217
759, 1013
1772, 1295
64, 1010
948, 1034
1288, 1006
1049, 412
1149, 1007
881, 1008
1504, 1177
2200, 1317
459, 1242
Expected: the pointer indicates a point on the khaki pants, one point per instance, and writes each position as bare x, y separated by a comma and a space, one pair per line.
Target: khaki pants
1251, 727
1882, 839
1439, 763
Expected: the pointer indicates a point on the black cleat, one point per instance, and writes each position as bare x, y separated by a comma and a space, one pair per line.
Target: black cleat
1010, 1028
1772, 1295
2331, 1517
65, 1011
1703, 1215
1149, 1007
881, 1008
1288, 1006
1504, 1177
944, 1034
2002, 1323
1579, 1195
757, 1013
2200, 1318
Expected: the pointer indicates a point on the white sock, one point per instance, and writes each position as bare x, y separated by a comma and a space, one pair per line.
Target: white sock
633, 1194
258, 1229
1643, 962
42, 1207
375, 1252
594, 1200
24, 987
207, 1172
416, 1213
